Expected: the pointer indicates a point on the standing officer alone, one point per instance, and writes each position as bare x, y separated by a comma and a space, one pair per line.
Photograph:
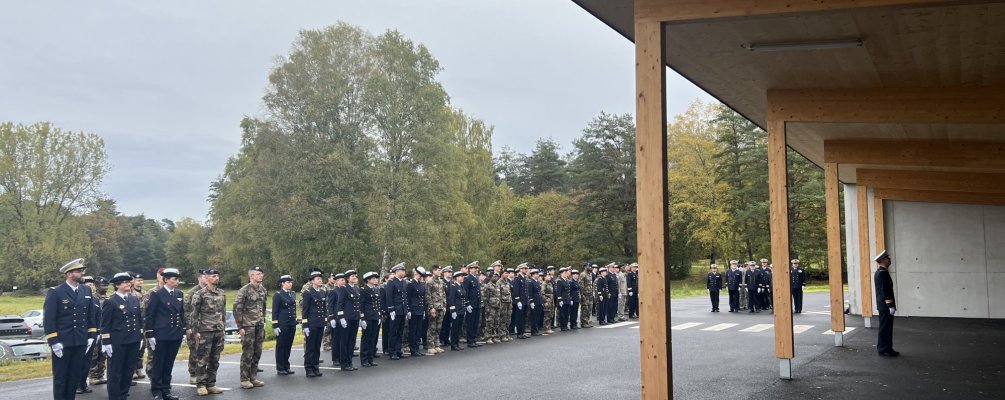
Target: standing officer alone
798, 278
70, 328
886, 304
206, 321
714, 285
284, 323
369, 319
249, 312
121, 333
733, 286
312, 312
164, 326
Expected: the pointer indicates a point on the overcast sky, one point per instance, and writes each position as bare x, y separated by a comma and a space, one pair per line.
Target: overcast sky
166, 83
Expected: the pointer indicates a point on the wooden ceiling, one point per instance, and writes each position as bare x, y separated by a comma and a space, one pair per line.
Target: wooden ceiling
933, 46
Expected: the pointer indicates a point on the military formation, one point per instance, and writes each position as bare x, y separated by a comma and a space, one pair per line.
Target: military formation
750, 286
99, 338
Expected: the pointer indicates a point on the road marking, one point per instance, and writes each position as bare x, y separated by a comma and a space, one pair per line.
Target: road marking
273, 365
635, 327
817, 312
719, 327
846, 330
801, 328
617, 325
684, 326
180, 384
758, 328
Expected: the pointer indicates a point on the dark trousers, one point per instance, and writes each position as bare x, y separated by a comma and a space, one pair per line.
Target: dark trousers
312, 348
347, 342
521, 319
423, 337
336, 341
734, 300
89, 360
563, 316
394, 342
612, 309
884, 342
121, 366
574, 314
455, 330
714, 295
66, 371
512, 319
471, 319
284, 346
797, 299
445, 328
633, 305
163, 364
536, 314
415, 331
368, 345
385, 334
766, 299
602, 311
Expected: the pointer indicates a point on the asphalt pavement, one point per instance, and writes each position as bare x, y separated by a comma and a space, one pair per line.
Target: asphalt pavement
716, 355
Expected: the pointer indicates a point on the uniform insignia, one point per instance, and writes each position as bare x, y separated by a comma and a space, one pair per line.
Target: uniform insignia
87, 297
66, 301
122, 306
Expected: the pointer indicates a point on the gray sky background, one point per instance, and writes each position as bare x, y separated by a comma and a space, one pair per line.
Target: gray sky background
166, 83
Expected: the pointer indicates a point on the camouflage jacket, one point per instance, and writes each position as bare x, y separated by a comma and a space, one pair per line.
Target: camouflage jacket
504, 291
249, 305
141, 296
549, 293
491, 294
208, 310
436, 294
586, 287
187, 302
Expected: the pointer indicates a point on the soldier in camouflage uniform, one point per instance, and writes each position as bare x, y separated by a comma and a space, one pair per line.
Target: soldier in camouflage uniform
483, 325
97, 373
207, 320
492, 305
549, 302
436, 299
249, 313
586, 292
505, 305
190, 339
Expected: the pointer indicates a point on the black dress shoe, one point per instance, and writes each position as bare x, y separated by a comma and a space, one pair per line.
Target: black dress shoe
82, 390
318, 373
281, 372
365, 364
535, 334
417, 355
890, 353
349, 368
395, 357
261, 370
310, 374
169, 396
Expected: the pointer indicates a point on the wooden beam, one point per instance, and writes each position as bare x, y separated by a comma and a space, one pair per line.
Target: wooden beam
917, 153
834, 246
920, 105
699, 11
652, 219
778, 193
878, 219
931, 196
966, 182
864, 256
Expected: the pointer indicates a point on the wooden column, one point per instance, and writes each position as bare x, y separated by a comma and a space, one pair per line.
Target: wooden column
864, 256
652, 200
778, 193
880, 223
834, 249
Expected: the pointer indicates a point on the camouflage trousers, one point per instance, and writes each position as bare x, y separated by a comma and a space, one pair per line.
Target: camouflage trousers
502, 323
97, 363
622, 306
326, 339
585, 309
251, 351
207, 357
190, 341
433, 332
549, 315
490, 322
144, 348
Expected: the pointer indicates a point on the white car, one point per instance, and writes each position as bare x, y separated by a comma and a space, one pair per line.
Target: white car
33, 318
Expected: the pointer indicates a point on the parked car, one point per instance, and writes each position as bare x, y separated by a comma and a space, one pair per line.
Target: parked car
13, 326
230, 329
34, 320
23, 349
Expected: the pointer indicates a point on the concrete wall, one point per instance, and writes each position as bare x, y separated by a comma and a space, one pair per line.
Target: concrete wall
948, 259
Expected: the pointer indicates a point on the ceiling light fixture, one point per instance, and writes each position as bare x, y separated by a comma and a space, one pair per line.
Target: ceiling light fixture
795, 46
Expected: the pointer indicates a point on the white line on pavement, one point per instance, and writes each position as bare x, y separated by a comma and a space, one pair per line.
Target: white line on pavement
686, 326
846, 330
617, 325
719, 327
817, 312
180, 384
801, 328
758, 328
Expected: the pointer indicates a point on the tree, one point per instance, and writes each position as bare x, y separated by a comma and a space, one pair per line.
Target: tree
106, 234
743, 167
542, 171
188, 248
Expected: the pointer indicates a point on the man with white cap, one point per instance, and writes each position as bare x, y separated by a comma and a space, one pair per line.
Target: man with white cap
473, 295
164, 327
797, 276
395, 301
416, 312
284, 323
70, 328
886, 304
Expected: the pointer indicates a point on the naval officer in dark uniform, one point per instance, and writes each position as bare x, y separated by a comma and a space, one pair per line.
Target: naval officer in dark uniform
121, 333
457, 306
312, 314
70, 328
797, 276
714, 285
369, 318
348, 313
164, 327
395, 302
886, 304
416, 313
284, 323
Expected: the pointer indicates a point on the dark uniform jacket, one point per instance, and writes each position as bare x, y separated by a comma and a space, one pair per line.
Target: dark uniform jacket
733, 279
312, 308
518, 290
394, 296
348, 304
121, 320
754, 279
164, 318
603, 288
798, 278
612, 285
69, 317
473, 291
633, 283
563, 291
456, 301
370, 303
573, 291
331, 301
417, 297
534, 293
764, 279
284, 309
714, 281
884, 289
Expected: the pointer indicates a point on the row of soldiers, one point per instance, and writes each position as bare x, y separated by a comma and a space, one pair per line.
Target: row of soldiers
750, 285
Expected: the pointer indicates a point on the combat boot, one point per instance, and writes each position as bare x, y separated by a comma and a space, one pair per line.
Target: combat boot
257, 383
97, 381
201, 391
246, 385
214, 390
192, 380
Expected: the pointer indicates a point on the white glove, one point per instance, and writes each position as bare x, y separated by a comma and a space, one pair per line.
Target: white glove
333, 323
57, 350
760, 290
519, 305
393, 314
453, 315
362, 324
90, 342
153, 343
277, 331
107, 349
470, 309
380, 322
408, 315
531, 306
893, 311
561, 304
307, 332
343, 322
